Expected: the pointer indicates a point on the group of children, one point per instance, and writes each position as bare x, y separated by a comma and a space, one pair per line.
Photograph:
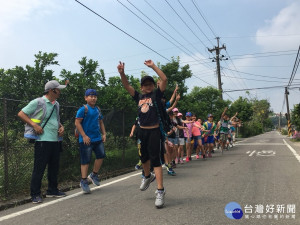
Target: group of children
156, 145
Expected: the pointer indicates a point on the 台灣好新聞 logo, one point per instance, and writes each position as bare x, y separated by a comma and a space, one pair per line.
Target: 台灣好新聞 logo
233, 211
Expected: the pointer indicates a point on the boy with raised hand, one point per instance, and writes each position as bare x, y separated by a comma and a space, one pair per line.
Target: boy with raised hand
89, 122
150, 134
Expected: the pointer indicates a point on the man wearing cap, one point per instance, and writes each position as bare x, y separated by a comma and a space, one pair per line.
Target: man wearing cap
42, 120
150, 134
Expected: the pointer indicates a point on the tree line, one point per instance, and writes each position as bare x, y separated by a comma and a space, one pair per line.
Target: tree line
27, 83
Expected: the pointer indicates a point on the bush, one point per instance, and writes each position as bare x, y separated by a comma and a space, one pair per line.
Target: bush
284, 132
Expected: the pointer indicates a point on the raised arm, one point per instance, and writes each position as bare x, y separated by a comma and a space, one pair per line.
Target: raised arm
162, 76
234, 116
224, 112
127, 86
175, 103
174, 94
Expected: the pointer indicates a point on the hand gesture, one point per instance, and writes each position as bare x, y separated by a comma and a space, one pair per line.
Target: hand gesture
177, 97
121, 67
149, 63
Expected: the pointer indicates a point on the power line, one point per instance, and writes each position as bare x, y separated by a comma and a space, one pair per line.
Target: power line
283, 35
257, 75
194, 22
260, 53
172, 26
296, 65
255, 79
250, 89
185, 23
158, 27
157, 30
201, 14
122, 30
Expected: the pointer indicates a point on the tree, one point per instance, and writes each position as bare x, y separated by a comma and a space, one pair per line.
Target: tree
29, 82
295, 116
244, 108
203, 101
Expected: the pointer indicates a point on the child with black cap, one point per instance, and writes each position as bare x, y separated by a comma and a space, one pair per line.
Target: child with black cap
89, 122
150, 134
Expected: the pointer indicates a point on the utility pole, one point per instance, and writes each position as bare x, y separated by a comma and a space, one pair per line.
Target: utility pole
279, 122
217, 59
288, 116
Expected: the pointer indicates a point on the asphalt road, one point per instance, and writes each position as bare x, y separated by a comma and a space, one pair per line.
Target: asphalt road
261, 174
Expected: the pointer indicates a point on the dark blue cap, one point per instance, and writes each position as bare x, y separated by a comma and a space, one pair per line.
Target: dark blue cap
90, 92
188, 114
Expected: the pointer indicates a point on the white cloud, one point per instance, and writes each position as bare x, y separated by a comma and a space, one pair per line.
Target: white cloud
284, 24
14, 11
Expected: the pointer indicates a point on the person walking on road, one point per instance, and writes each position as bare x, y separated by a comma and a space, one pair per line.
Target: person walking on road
43, 125
89, 122
150, 134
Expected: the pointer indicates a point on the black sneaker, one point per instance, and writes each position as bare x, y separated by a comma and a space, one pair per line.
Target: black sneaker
58, 194
37, 199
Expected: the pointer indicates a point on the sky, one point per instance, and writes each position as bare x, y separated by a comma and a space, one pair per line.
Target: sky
262, 38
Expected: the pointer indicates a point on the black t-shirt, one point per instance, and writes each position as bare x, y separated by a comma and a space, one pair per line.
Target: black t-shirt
180, 123
147, 111
173, 134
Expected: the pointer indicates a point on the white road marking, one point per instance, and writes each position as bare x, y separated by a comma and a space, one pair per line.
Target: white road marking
42, 205
248, 152
252, 153
292, 150
266, 153
260, 144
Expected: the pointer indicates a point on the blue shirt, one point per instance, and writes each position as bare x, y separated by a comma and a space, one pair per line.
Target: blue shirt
90, 123
168, 104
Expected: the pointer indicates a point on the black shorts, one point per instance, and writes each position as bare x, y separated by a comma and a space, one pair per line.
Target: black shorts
151, 146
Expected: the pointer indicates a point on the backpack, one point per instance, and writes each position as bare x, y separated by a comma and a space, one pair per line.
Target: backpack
76, 132
165, 123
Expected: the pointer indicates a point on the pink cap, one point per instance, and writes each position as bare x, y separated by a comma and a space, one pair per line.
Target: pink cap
175, 110
179, 114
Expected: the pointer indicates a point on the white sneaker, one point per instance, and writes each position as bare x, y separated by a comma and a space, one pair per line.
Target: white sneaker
146, 182
160, 198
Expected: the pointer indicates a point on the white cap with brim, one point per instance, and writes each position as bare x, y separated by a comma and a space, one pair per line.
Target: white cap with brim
52, 84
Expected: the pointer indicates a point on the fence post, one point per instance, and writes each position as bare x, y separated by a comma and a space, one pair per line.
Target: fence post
5, 152
123, 145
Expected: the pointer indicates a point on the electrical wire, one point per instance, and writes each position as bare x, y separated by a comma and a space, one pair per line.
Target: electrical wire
122, 30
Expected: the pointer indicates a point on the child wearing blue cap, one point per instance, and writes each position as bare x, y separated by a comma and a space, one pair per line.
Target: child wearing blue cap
89, 122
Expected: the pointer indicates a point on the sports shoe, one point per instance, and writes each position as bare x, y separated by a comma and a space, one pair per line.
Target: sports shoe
176, 160
190, 158
138, 166
209, 155
160, 198
181, 161
94, 178
171, 172
84, 184
57, 194
197, 156
37, 199
187, 159
146, 182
